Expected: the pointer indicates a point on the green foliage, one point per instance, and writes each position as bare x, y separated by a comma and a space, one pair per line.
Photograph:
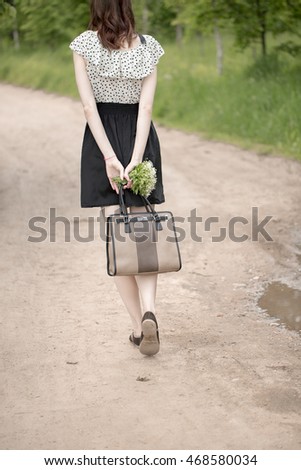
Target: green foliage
161, 19
52, 22
46, 22
6, 7
198, 16
249, 20
7, 20
42, 22
253, 20
265, 68
154, 17
290, 47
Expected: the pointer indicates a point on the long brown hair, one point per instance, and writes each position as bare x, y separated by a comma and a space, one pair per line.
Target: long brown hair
114, 21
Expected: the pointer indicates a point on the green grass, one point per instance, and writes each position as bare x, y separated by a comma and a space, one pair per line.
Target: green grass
254, 104
51, 71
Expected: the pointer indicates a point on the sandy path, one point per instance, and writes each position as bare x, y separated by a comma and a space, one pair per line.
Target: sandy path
226, 377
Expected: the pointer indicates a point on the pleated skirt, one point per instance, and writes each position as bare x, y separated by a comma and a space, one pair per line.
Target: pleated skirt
120, 123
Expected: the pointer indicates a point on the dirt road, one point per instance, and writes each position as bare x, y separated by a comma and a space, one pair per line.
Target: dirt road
226, 377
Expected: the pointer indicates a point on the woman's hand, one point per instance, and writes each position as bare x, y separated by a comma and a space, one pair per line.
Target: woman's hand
114, 168
127, 171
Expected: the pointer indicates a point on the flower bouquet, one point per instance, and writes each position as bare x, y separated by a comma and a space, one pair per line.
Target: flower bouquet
143, 177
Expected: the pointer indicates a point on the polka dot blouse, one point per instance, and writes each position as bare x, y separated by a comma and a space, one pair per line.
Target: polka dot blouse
116, 76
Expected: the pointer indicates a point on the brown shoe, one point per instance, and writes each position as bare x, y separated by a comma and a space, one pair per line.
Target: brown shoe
150, 342
134, 339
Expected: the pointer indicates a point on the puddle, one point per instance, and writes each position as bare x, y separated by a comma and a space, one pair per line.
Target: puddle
284, 303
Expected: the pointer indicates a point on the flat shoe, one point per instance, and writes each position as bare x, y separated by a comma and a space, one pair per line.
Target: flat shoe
134, 339
150, 342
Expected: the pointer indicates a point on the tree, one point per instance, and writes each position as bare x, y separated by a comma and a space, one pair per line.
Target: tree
42, 22
176, 7
9, 21
291, 23
154, 17
218, 40
252, 20
52, 22
201, 17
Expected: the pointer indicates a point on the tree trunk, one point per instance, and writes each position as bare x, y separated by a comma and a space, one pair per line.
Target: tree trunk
219, 49
145, 18
263, 42
15, 32
218, 42
179, 34
200, 39
262, 10
16, 36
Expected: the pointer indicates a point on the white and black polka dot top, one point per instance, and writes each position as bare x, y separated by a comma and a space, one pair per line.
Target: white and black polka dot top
116, 76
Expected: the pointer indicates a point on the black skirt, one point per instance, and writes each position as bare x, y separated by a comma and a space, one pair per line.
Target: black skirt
119, 121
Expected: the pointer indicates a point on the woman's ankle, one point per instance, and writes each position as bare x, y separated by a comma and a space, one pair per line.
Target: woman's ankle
137, 331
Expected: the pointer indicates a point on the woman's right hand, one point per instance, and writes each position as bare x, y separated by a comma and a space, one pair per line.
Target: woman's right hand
114, 168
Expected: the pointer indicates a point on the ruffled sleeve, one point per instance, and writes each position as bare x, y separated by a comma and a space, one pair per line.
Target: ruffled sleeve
84, 44
155, 47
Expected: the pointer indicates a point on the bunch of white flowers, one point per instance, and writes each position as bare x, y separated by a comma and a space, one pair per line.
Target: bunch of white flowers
143, 177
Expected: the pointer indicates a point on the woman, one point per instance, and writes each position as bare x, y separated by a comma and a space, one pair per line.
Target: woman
116, 75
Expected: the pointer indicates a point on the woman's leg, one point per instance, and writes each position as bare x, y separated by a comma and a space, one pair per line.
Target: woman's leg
147, 283
128, 289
